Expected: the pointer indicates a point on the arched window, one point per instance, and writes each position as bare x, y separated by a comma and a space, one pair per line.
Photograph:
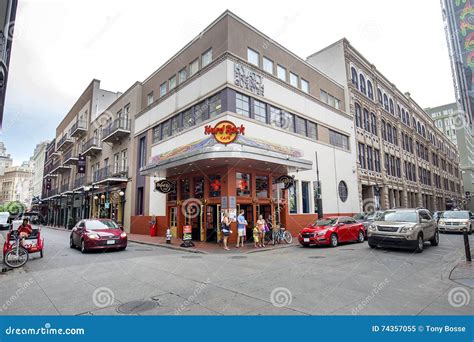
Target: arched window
391, 106
408, 118
362, 83
373, 123
385, 102
384, 130
366, 120
379, 95
389, 133
423, 132
354, 77
358, 117
399, 113
370, 90
403, 116
343, 191
418, 127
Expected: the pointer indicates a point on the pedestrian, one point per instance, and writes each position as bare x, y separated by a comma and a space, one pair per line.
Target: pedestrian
261, 229
241, 229
226, 229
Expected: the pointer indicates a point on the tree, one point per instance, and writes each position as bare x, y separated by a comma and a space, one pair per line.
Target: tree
14, 207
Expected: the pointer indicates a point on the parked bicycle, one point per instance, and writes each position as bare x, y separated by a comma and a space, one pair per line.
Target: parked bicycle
277, 235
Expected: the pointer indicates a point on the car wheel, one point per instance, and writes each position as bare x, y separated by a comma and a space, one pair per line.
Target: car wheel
333, 240
360, 237
435, 240
71, 243
83, 247
419, 244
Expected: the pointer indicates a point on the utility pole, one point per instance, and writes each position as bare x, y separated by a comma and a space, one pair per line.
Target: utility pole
319, 200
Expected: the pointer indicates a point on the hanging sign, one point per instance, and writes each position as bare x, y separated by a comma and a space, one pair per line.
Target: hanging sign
81, 164
165, 186
225, 132
287, 181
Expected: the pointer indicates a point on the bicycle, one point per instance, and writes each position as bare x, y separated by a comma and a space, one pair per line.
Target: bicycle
279, 234
17, 256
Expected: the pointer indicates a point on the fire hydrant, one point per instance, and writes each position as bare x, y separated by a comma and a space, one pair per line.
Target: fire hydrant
168, 235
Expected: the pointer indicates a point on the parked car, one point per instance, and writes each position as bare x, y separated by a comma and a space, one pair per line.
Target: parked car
4, 220
367, 218
93, 234
331, 231
404, 228
456, 221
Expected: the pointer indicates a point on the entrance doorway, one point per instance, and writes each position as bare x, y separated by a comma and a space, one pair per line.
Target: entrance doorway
173, 212
266, 211
213, 221
248, 214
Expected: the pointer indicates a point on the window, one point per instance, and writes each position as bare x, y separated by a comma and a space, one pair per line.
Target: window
124, 160
305, 197
156, 133
324, 96
366, 120
201, 112
199, 187
182, 75
377, 160
139, 203
149, 99
242, 104
312, 130
361, 155
215, 186
395, 136
142, 152
268, 65
116, 163
385, 102
305, 86
292, 197
355, 78
243, 184
172, 82
261, 184
384, 130
260, 111
370, 159
379, 96
362, 84
373, 123
275, 116
165, 130
343, 191
215, 105
370, 90
175, 125
193, 67
253, 57
184, 189
188, 118
358, 116
331, 100
337, 103
391, 106
206, 58
338, 139
294, 80
281, 73
300, 126
287, 121
163, 89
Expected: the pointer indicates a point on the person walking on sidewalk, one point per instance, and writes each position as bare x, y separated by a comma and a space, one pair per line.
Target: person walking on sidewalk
261, 230
226, 229
241, 228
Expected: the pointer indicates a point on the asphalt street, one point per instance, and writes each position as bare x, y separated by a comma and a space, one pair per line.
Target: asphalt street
351, 279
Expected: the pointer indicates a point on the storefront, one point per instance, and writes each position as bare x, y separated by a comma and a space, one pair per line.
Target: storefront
224, 173
108, 200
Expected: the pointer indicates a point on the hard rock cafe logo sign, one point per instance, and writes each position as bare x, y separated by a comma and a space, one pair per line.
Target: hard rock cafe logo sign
165, 186
225, 132
248, 79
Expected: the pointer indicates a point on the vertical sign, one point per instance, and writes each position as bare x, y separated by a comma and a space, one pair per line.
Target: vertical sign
81, 164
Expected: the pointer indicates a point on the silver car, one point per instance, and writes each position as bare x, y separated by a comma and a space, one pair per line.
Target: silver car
404, 228
456, 221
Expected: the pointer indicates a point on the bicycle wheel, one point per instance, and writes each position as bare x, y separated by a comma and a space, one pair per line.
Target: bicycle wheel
288, 238
13, 260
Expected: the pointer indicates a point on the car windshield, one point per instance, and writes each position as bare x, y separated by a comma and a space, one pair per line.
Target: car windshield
96, 225
399, 216
374, 215
455, 215
359, 216
326, 222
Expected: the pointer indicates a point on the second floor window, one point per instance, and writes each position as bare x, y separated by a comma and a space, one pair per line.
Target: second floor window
206, 58
253, 57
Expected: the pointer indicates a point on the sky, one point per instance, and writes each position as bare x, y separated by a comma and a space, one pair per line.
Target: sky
60, 46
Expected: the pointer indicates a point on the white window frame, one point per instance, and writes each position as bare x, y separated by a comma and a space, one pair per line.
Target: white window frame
251, 53
303, 81
268, 61
294, 77
172, 82
281, 68
206, 58
163, 89
193, 64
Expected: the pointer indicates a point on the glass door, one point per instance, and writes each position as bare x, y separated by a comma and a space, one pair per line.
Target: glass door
173, 224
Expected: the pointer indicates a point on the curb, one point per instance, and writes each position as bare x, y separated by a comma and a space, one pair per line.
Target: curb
176, 248
271, 249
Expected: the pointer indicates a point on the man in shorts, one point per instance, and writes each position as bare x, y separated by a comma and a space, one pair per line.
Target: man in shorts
241, 228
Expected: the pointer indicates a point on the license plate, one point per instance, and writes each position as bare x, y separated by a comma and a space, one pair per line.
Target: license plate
305, 239
110, 242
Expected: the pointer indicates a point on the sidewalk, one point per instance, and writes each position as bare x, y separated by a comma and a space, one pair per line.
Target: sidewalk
199, 247
463, 274
203, 247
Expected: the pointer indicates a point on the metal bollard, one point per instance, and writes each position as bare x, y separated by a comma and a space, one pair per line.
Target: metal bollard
467, 248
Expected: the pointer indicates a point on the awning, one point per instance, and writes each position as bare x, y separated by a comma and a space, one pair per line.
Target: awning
257, 153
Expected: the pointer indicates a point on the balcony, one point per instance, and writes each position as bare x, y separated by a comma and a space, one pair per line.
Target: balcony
79, 182
52, 192
70, 157
65, 142
91, 147
78, 128
110, 174
66, 189
116, 130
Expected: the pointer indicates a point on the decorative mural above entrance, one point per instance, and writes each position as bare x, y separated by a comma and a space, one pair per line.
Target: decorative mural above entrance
248, 79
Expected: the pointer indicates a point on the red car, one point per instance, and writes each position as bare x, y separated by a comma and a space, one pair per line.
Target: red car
96, 234
331, 231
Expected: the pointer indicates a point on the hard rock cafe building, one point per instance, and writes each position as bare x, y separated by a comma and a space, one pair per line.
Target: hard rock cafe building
234, 121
